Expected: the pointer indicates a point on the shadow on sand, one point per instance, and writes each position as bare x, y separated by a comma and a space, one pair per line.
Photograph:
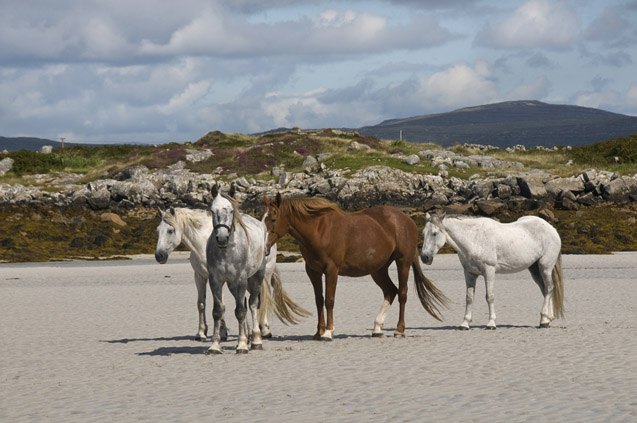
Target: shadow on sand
167, 351
477, 327
163, 338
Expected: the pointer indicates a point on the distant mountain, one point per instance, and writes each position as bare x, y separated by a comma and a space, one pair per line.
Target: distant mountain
529, 123
27, 143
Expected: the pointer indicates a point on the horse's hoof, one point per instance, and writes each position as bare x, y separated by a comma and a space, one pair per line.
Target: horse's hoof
211, 351
268, 336
377, 334
316, 337
242, 351
463, 328
258, 347
201, 338
326, 339
490, 328
544, 325
399, 334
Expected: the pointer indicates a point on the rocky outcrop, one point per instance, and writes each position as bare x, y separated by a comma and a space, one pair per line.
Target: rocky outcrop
6, 165
178, 186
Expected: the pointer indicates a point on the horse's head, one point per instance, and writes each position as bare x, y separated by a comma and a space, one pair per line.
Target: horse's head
275, 221
222, 218
168, 235
434, 237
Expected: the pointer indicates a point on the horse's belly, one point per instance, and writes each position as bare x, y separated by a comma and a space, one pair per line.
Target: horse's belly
513, 265
354, 272
361, 267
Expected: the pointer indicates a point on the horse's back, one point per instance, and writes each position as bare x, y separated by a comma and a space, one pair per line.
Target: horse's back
396, 225
526, 241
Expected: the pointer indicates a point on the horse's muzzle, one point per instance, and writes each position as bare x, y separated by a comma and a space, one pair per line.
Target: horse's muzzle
161, 257
427, 259
222, 242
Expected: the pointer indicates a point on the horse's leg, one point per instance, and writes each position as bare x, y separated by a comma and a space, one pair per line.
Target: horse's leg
223, 328
317, 283
536, 274
383, 280
255, 287
238, 289
403, 277
470, 282
546, 315
217, 314
202, 331
331, 277
489, 281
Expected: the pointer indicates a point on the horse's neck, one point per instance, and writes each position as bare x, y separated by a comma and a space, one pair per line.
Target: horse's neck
458, 234
304, 230
252, 232
195, 237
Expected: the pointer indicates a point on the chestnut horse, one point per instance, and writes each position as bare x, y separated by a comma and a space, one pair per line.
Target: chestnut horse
334, 242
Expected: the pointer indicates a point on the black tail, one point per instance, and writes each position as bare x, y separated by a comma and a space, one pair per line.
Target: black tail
430, 296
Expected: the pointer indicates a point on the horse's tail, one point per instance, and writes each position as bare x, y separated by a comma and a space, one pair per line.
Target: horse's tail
558, 288
265, 300
430, 296
286, 309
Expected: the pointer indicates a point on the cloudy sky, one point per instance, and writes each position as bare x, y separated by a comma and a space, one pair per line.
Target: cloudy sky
158, 71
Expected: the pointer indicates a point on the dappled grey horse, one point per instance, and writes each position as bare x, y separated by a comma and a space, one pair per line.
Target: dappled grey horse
236, 256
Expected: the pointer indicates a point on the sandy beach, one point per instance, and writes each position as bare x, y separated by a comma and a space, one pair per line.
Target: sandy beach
114, 341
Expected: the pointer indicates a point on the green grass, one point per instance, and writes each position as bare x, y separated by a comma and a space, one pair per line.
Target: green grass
30, 162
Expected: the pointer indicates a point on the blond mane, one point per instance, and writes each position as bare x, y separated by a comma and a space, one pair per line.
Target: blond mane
187, 218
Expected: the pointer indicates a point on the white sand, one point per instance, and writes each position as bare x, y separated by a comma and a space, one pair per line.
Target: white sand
113, 341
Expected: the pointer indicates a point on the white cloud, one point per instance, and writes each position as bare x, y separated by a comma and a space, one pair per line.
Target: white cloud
613, 27
609, 99
461, 84
535, 24
330, 33
187, 98
631, 98
534, 90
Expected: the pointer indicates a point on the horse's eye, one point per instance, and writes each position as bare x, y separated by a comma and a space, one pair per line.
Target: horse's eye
171, 231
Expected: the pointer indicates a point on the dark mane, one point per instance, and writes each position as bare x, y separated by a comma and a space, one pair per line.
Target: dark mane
310, 206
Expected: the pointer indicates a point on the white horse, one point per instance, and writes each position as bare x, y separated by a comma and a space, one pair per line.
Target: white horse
486, 247
236, 254
192, 228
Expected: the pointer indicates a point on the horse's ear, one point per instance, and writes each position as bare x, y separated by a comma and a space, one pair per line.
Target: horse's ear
277, 199
266, 200
215, 190
233, 190
427, 216
172, 211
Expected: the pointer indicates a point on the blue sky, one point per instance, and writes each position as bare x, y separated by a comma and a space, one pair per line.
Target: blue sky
158, 71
